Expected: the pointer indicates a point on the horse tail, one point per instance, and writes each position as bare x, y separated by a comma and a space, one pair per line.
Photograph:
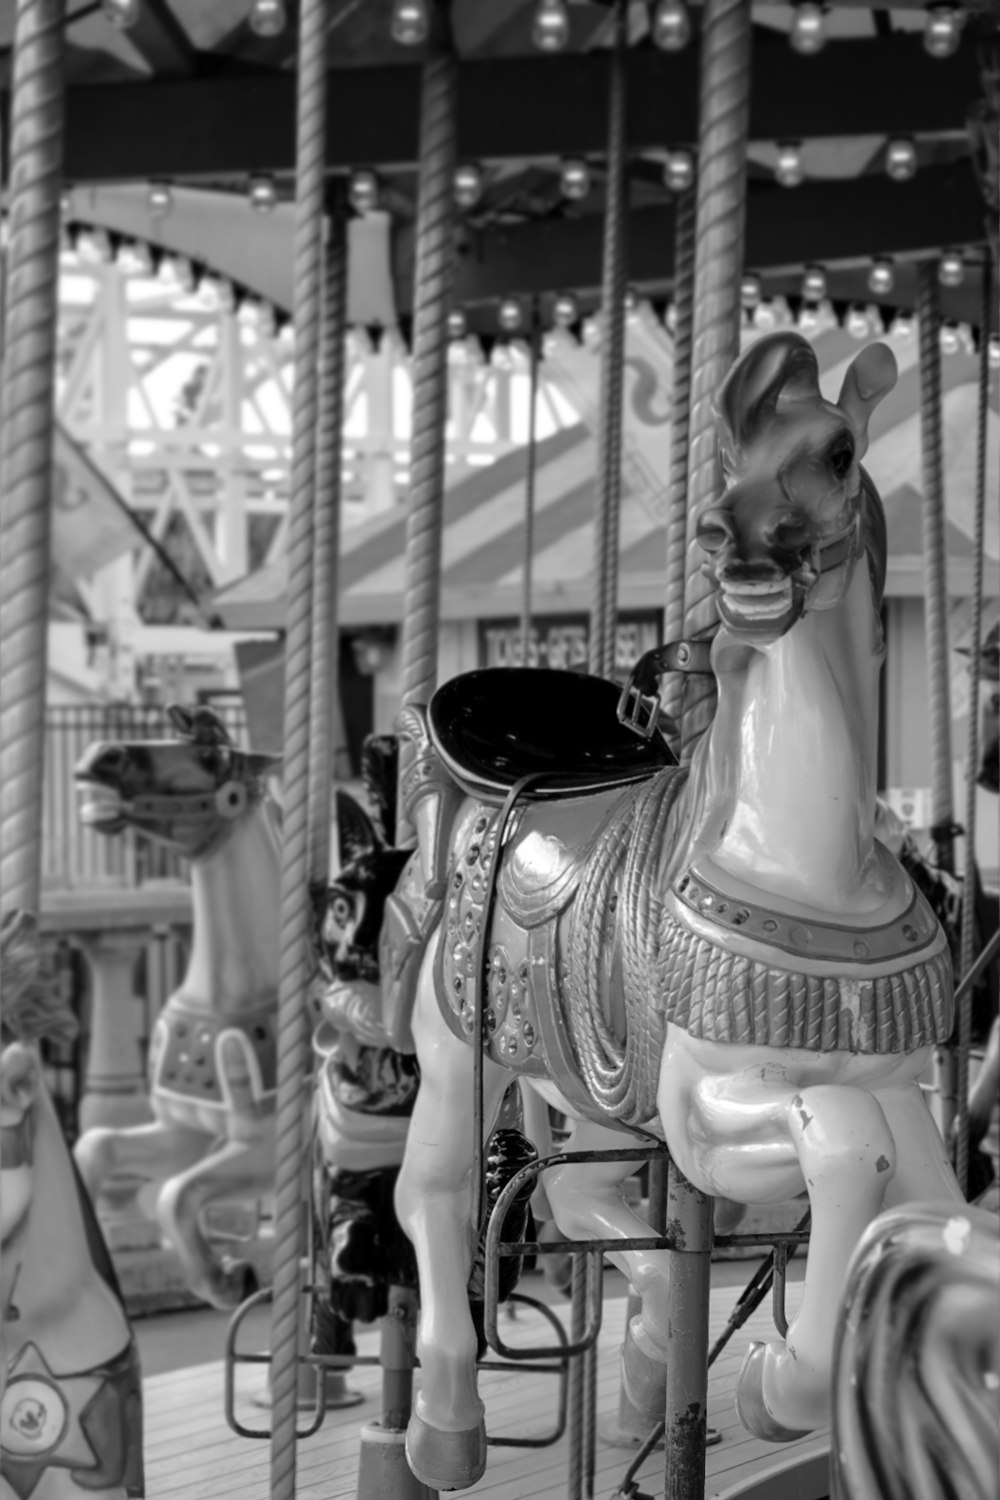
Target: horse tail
915, 1411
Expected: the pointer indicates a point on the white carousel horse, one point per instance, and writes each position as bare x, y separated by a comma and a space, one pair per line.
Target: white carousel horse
70, 1390
213, 1055
722, 954
916, 1390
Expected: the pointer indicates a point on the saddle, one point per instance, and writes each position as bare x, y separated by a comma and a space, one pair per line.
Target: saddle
494, 727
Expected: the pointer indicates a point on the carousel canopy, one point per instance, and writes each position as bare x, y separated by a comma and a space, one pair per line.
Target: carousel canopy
195, 103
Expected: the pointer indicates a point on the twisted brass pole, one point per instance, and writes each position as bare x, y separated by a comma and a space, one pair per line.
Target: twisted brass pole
293, 1032
935, 563
27, 402
326, 541
722, 152
680, 428
432, 299
968, 935
604, 611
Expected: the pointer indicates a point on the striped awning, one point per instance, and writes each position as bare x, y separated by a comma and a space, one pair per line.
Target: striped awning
483, 533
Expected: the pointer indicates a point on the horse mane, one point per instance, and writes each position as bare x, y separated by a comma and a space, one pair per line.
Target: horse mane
33, 1008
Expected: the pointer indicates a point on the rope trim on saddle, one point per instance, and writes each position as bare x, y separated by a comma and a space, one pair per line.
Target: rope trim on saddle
622, 1076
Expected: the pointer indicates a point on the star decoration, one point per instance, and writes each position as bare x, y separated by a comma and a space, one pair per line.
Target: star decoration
40, 1421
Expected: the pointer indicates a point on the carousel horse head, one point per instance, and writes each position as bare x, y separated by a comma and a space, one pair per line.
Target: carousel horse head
188, 792
70, 1407
798, 510
916, 1386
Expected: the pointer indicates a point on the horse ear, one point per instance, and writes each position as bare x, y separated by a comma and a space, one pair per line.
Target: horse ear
869, 378
181, 718
209, 728
782, 363
356, 833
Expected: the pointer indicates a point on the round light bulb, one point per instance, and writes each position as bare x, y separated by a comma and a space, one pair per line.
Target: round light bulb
592, 332
857, 323
510, 315
180, 270
750, 291
121, 13
814, 284
764, 316
161, 200
263, 193
550, 26
565, 311
136, 258
993, 351
942, 31
410, 23
94, 247
901, 159
66, 203
950, 340
807, 35
808, 319
881, 277
630, 301
574, 179
363, 190
457, 324
901, 326
467, 185
678, 171
670, 317
267, 17
788, 168
951, 269
671, 25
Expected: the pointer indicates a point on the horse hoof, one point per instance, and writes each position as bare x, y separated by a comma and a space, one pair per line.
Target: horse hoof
445, 1460
751, 1407
644, 1378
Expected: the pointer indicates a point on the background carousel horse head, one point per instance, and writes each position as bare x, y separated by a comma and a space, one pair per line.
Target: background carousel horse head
213, 1052
187, 792
71, 1403
916, 1408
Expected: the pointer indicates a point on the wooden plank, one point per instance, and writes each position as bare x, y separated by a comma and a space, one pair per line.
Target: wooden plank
191, 1453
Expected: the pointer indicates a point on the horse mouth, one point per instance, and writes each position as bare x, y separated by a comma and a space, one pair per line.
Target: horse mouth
759, 608
100, 807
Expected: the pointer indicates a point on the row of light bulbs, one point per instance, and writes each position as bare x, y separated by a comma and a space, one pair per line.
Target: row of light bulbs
669, 24
574, 179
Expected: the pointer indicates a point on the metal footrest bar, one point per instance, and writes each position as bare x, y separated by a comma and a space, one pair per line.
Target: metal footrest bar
561, 1368
234, 1357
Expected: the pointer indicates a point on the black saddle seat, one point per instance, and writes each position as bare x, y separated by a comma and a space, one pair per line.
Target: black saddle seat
497, 725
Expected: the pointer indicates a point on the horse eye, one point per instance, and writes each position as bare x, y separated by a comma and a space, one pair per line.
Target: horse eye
841, 459
341, 911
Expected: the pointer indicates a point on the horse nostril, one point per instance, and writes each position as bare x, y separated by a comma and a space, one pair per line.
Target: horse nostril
714, 530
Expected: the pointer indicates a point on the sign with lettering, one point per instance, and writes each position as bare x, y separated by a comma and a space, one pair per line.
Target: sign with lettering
563, 642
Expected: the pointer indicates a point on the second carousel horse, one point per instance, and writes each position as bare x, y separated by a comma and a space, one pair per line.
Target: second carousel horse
70, 1389
212, 1056
721, 954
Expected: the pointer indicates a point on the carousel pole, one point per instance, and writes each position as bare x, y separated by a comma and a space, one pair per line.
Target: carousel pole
680, 427
935, 564
724, 110
529, 478
383, 1470
329, 1333
27, 404
968, 935
293, 1021
604, 611
719, 233
936, 620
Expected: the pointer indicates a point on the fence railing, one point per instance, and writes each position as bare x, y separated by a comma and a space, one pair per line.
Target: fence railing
74, 855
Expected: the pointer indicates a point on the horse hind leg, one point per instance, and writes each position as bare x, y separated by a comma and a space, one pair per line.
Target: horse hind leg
446, 1437
847, 1156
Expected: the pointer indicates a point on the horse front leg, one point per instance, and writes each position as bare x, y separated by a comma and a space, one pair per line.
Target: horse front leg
588, 1203
754, 1136
240, 1169
150, 1152
446, 1437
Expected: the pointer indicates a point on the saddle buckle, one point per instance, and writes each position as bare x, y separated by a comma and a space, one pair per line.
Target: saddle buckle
639, 711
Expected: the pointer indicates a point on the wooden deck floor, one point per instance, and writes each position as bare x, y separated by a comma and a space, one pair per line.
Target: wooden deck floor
192, 1455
